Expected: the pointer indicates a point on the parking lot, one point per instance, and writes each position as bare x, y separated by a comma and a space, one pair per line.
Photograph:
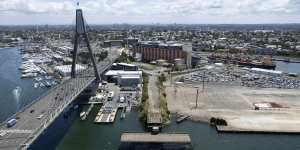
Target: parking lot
241, 77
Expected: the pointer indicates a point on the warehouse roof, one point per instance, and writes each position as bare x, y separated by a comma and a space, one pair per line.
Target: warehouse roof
124, 64
130, 76
122, 72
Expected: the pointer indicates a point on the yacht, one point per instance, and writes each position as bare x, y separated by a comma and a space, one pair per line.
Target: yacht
28, 75
42, 84
36, 85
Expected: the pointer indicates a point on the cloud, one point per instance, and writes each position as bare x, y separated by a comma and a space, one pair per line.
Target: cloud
34, 7
159, 10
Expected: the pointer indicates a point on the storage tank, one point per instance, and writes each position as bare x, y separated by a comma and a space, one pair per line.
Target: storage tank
179, 63
138, 56
160, 62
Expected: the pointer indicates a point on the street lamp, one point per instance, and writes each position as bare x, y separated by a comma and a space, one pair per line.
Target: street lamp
197, 95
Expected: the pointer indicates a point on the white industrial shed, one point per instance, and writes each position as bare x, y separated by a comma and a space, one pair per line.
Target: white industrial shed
124, 78
266, 71
122, 72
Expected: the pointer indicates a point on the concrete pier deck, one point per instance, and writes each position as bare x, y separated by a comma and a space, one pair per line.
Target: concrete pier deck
230, 129
158, 138
107, 113
154, 118
106, 116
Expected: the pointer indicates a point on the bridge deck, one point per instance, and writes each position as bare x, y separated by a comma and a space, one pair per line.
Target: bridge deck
46, 109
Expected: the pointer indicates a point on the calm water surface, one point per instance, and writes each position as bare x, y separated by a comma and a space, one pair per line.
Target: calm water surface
87, 135
288, 67
15, 93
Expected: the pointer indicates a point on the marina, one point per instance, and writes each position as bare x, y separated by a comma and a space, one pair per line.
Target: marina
50, 106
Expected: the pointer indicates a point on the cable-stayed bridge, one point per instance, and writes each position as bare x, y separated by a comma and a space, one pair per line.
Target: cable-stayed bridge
50, 105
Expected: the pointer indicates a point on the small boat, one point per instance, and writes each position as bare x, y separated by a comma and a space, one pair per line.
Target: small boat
36, 85
42, 84
28, 75
123, 115
48, 77
38, 79
82, 115
48, 84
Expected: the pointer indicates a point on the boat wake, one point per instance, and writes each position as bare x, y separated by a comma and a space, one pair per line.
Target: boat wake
17, 94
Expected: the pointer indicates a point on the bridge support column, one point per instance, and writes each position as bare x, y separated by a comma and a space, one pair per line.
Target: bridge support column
81, 34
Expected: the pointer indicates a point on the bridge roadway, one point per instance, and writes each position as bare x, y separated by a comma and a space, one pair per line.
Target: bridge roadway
47, 107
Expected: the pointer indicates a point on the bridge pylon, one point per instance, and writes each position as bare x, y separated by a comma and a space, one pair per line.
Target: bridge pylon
81, 34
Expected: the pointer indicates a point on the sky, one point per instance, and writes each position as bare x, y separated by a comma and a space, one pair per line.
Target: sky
28, 12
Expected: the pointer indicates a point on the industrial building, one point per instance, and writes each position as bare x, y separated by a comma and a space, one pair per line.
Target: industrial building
120, 43
124, 78
113, 43
169, 51
129, 80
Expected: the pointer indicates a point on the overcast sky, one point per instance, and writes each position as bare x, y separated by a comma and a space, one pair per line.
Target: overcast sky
150, 11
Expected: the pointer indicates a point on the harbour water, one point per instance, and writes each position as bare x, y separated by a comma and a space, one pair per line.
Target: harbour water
15, 93
88, 135
288, 67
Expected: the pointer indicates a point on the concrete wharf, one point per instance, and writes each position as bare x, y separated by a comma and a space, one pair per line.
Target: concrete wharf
106, 116
154, 118
156, 138
230, 129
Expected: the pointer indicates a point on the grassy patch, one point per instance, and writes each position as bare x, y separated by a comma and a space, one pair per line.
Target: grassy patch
143, 110
163, 105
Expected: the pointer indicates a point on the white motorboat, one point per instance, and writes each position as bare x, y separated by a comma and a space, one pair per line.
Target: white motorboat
36, 85
29, 75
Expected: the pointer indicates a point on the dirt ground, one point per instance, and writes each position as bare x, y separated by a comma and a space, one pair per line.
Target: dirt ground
235, 105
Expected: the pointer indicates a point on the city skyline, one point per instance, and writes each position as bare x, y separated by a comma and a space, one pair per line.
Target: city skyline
58, 12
